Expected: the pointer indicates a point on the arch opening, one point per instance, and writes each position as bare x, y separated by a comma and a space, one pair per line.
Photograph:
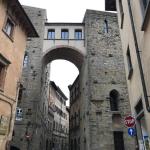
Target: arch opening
114, 97
66, 53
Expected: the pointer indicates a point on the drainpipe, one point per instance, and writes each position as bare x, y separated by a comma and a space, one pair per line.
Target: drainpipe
139, 59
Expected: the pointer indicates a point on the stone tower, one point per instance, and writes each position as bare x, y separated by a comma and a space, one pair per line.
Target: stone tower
107, 100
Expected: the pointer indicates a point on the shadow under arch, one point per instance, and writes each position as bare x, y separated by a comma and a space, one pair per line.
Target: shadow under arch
69, 53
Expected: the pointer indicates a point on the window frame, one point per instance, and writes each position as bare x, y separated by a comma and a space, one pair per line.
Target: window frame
64, 36
3, 62
78, 36
105, 26
114, 100
121, 13
145, 13
11, 34
129, 63
52, 35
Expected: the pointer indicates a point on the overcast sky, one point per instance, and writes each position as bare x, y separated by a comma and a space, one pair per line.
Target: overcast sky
64, 72
65, 10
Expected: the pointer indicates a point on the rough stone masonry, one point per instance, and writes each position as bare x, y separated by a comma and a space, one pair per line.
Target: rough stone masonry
106, 73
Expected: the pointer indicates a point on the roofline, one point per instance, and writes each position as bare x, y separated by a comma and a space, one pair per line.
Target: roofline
72, 85
58, 90
64, 23
27, 22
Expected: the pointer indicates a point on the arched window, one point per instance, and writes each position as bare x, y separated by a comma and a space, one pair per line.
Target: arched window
20, 93
114, 96
105, 26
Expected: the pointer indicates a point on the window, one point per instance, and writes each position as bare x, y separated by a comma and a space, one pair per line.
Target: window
78, 34
114, 96
110, 5
145, 7
3, 68
51, 34
20, 93
2, 75
9, 27
139, 107
144, 3
25, 61
19, 114
139, 110
105, 26
130, 68
118, 140
29, 111
121, 13
64, 34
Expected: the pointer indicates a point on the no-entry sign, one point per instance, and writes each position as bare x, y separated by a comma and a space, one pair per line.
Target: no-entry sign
129, 121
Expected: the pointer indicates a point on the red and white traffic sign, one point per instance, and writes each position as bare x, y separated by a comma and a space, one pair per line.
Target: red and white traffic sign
129, 121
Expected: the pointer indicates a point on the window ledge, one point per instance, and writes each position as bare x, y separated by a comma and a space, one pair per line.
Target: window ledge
146, 17
115, 112
7, 35
65, 39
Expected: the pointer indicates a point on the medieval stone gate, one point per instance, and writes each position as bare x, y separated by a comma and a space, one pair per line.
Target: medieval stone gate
98, 56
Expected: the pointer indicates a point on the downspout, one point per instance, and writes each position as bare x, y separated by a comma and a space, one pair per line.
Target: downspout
139, 59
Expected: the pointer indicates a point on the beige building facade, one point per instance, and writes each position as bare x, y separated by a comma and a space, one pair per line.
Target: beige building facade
60, 134
134, 22
14, 29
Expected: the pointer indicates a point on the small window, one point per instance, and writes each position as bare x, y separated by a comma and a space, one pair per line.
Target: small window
3, 68
105, 26
114, 97
29, 111
139, 107
145, 7
9, 27
121, 13
2, 75
64, 34
25, 61
20, 93
130, 68
78, 34
51, 34
19, 114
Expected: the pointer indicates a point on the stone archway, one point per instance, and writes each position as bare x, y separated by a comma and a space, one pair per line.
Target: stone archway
69, 53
